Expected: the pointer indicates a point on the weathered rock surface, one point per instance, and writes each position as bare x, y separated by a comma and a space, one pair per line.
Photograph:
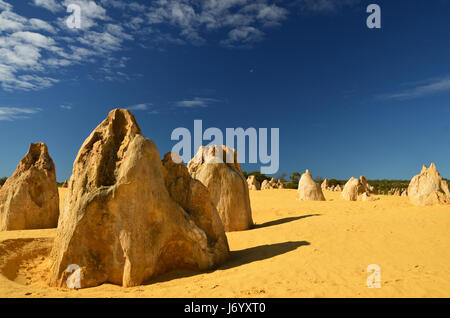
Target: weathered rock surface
353, 190
128, 218
308, 190
29, 199
325, 185
367, 187
226, 184
358, 190
253, 184
428, 188
265, 185
272, 184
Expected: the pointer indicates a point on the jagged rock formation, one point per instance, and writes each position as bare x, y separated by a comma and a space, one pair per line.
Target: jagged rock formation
29, 199
325, 185
217, 167
127, 217
356, 190
367, 187
265, 185
253, 184
428, 187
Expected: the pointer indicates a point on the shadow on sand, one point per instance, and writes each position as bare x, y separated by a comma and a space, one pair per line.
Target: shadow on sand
282, 221
237, 258
259, 253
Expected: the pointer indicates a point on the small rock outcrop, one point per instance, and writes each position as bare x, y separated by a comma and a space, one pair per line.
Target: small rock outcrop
367, 187
253, 184
265, 185
129, 217
356, 190
217, 167
428, 188
325, 185
308, 189
272, 184
29, 199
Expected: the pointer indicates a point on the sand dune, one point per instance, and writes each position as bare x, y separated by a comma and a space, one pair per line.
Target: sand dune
297, 249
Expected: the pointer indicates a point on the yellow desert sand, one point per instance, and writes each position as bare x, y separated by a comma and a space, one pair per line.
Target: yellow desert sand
297, 249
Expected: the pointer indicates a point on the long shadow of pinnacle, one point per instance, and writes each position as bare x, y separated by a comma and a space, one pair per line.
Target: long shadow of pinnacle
259, 253
237, 258
282, 221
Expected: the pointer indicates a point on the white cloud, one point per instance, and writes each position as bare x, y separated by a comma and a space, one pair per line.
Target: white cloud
9, 21
51, 5
243, 37
196, 102
194, 19
65, 107
139, 107
12, 113
91, 12
25, 51
31, 48
424, 88
37, 24
4, 5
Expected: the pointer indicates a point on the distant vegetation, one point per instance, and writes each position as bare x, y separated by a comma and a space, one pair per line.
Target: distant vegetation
258, 176
383, 186
3, 180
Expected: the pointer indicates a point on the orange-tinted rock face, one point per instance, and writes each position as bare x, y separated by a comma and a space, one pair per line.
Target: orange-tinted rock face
308, 189
29, 199
428, 187
226, 184
125, 220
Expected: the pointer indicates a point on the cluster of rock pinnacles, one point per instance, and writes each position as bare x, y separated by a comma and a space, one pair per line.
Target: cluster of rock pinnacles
129, 216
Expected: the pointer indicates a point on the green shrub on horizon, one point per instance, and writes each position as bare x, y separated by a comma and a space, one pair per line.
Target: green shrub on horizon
3, 180
258, 175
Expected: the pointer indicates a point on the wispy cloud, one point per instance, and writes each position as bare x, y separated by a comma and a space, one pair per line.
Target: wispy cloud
32, 51
195, 19
424, 88
324, 6
51, 5
196, 102
13, 113
139, 107
65, 106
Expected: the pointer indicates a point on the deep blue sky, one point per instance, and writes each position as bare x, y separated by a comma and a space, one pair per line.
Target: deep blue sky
348, 100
